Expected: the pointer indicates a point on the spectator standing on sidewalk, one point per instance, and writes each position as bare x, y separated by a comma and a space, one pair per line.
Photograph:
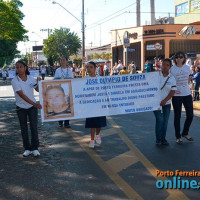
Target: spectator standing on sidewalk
132, 68
196, 78
43, 72
4, 75
192, 73
181, 72
114, 69
106, 69
119, 66
95, 123
26, 107
147, 66
168, 88
123, 71
64, 72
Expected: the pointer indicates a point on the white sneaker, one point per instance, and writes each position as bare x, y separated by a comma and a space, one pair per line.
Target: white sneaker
91, 144
98, 139
26, 153
36, 153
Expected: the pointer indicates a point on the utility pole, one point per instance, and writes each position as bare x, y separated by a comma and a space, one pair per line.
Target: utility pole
100, 34
138, 12
36, 52
48, 30
83, 39
83, 33
152, 4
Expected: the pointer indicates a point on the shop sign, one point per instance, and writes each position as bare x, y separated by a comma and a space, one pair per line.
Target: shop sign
158, 46
194, 5
182, 9
152, 32
133, 35
153, 47
37, 48
131, 49
188, 31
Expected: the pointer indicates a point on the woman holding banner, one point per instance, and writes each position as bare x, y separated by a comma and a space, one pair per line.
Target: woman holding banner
181, 72
95, 123
64, 72
168, 88
23, 85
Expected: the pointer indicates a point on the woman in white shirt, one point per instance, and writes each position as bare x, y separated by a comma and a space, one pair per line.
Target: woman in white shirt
64, 72
26, 107
168, 88
181, 73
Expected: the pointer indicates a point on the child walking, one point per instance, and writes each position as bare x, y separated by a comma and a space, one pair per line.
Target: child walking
26, 107
95, 123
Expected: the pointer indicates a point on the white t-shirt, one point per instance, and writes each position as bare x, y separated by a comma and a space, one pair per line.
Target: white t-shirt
27, 88
64, 73
43, 70
4, 74
181, 74
189, 62
106, 67
170, 85
119, 66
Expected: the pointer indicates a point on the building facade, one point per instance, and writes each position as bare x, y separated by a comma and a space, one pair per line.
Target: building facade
187, 11
147, 42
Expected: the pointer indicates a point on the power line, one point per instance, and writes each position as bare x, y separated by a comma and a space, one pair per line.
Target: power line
106, 21
97, 22
164, 12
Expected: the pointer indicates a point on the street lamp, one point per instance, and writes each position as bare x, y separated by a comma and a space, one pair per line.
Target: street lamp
83, 32
37, 34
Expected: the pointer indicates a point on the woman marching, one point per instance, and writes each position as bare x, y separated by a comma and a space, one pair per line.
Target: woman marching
95, 123
181, 72
168, 88
64, 72
26, 107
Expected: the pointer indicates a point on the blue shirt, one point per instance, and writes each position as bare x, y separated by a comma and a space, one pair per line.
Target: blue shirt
147, 67
197, 78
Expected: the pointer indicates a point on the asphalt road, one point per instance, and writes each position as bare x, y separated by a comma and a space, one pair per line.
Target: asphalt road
123, 167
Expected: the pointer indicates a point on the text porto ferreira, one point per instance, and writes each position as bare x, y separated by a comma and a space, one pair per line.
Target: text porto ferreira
179, 179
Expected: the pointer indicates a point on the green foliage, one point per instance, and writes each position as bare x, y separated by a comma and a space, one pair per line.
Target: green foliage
104, 55
11, 29
77, 61
60, 43
27, 58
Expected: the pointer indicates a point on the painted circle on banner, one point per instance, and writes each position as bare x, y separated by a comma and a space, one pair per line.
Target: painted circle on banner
157, 46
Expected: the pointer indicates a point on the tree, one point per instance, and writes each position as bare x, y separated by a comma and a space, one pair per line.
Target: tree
11, 29
60, 43
77, 61
104, 55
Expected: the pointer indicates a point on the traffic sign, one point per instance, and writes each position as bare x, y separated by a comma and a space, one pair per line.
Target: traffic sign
158, 46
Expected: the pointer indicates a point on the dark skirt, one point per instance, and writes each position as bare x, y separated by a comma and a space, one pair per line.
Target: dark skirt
95, 122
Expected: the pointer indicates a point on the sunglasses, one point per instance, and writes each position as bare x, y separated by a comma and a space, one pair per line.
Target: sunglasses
179, 57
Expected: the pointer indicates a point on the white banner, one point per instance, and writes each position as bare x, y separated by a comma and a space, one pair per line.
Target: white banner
99, 96
34, 73
11, 73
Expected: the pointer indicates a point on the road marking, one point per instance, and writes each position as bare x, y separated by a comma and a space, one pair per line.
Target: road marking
174, 194
122, 161
123, 185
